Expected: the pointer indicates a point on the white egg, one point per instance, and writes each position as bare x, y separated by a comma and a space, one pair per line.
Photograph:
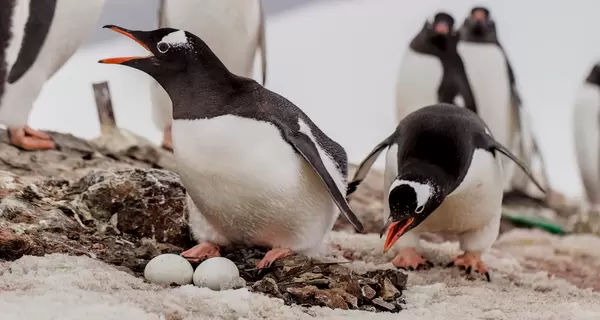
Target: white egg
169, 268
216, 272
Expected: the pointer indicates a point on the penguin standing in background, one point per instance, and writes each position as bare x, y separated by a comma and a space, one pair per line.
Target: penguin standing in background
233, 29
260, 172
431, 70
586, 126
490, 77
36, 39
442, 175
480, 46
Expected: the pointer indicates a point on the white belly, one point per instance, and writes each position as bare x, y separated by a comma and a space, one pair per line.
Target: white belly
72, 22
250, 185
418, 81
470, 206
586, 119
486, 69
229, 27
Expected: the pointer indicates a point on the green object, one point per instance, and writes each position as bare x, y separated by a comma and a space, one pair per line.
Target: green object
534, 222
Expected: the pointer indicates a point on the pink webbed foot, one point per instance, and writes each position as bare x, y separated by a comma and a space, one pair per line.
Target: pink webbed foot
408, 258
30, 139
201, 251
271, 256
471, 262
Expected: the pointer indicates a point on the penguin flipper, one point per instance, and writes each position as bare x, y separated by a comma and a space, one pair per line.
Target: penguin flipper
365, 165
304, 145
494, 145
36, 30
262, 44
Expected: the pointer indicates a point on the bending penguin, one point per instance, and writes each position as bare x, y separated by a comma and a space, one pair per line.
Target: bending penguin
586, 117
442, 175
259, 171
233, 29
431, 70
495, 88
37, 38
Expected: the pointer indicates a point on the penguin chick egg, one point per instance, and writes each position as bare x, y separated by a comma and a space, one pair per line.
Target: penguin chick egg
215, 272
169, 268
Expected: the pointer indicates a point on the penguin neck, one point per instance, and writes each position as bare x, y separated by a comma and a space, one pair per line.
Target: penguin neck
426, 44
205, 88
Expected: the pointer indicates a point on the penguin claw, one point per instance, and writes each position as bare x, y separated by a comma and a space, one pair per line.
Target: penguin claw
271, 256
408, 258
201, 251
471, 263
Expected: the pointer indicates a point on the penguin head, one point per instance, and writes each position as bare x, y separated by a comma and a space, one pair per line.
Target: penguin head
170, 50
439, 29
480, 24
411, 201
440, 24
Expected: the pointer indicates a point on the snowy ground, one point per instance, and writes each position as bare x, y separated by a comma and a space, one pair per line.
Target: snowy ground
338, 60
66, 287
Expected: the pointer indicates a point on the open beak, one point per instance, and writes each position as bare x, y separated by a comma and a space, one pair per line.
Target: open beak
129, 34
395, 229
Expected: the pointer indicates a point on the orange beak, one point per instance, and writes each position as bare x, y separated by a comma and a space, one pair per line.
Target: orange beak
130, 36
394, 231
479, 15
441, 28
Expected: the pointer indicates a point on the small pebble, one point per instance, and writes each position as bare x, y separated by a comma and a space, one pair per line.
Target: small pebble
169, 268
216, 272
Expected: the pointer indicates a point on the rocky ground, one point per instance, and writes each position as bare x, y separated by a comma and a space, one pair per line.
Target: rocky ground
122, 203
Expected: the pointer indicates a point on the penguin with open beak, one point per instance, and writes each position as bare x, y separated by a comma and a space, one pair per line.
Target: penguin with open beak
259, 171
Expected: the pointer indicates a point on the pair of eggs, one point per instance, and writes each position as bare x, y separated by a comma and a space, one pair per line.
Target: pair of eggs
214, 273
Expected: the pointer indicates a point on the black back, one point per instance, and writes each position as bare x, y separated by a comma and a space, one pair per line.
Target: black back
6, 12
454, 80
440, 136
41, 14
594, 76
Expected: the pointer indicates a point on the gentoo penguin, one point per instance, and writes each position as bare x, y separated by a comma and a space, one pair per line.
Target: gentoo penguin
233, 29
258, 169
36, 39
489, 74
480, 46
442, 175
586, 117
431, 70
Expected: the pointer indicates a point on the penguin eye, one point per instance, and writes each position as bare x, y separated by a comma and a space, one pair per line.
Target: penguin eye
163, 47
419, 209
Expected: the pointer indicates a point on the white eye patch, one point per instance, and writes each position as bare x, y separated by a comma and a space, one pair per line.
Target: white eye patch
175, 39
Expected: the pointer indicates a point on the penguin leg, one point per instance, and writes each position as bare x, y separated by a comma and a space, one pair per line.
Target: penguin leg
201, 251
407, 257
474, 243
272, 255
204, 233
30, 139
167, 142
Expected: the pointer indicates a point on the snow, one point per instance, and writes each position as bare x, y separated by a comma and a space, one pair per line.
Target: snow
337, 60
